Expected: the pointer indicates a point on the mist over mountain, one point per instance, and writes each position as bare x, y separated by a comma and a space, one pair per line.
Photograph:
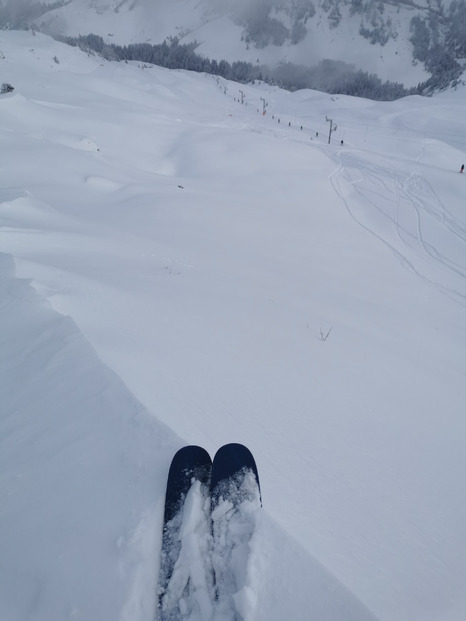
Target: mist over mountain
399, 41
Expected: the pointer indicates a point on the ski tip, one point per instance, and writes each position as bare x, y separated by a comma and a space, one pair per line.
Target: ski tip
234, 452
188, 462
231, 459
191, 449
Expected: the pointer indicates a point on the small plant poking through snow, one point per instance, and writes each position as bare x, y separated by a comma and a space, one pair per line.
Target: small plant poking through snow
324, 335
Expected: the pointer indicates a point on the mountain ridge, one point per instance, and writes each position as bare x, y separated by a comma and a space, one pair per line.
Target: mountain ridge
404, 42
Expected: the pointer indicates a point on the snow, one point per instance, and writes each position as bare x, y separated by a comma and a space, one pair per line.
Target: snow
235, 507
220, 38
212, 27
211, 537
176, 269
189, 574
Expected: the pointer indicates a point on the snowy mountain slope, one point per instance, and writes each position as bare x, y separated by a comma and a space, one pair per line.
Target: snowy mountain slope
323, 40
375, 38
245, 281
79, 462
83, 470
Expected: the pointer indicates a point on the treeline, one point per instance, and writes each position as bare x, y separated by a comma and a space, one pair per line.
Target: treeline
336, 77
170, 54
328, 76
438, 40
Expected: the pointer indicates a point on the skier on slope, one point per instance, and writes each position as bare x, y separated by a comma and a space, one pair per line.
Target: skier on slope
462, 168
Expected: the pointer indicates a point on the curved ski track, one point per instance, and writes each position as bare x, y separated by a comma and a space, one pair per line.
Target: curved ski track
408, 206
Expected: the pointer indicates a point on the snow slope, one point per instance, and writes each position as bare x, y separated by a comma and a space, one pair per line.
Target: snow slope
219, 36
199, 273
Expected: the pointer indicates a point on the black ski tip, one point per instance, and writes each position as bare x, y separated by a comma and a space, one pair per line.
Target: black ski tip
231, 459
188, 462
189, 457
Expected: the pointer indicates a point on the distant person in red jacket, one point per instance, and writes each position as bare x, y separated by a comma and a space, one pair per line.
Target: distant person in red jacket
462, 168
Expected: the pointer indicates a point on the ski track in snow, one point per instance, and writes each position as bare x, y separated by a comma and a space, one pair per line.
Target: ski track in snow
403, 194
394, 194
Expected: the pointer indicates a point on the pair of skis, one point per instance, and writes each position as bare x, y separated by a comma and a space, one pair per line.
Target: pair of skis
209, 519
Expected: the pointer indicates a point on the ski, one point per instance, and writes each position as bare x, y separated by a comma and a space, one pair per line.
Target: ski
235, 499
209, 521
185, 574
232, 462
